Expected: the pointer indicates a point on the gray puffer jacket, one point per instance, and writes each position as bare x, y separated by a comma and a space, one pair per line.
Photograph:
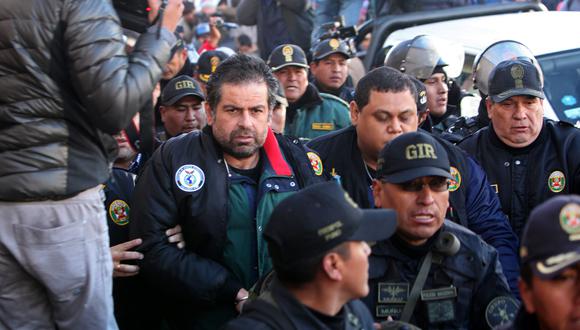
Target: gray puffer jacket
66, 84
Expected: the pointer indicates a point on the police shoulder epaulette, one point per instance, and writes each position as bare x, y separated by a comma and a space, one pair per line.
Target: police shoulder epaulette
335, 98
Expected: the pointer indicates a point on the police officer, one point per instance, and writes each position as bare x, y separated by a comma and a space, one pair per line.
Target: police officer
432, 272
220, 185
482, 66
329, 68
387, 105
310, 113
550, 280
527, 158
317, 240
181, 107
430, 60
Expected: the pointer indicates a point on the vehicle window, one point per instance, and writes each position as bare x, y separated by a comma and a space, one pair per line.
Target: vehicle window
562, 83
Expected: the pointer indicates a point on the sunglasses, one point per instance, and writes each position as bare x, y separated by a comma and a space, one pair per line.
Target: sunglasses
436, 184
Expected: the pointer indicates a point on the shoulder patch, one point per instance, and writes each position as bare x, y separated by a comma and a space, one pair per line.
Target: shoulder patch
119, 212
501, 310
315, 162
556, 181
334, 98
454, 183
189, 178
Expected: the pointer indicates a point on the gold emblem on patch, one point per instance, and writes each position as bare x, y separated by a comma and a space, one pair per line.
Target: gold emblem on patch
454, 183
214, 61
557, 181
334, 44
517, 72
323, 126
570, 220
315, 162
287, 51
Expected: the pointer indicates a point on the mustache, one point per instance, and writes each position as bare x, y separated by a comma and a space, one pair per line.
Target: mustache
242, 132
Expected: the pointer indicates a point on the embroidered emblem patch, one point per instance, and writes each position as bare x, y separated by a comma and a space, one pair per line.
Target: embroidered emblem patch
454, 183
315, 162
334, 44
287, 51
501, 310
557, 181
570, 220
189, 178
119, 212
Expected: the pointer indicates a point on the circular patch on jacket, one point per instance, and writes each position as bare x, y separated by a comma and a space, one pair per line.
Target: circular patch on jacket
501, 310
454, 183
570, 218
119, 212
189, 178
557, 181
315, 162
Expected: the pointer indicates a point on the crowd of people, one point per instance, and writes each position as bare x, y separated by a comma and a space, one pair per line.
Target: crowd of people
285, 187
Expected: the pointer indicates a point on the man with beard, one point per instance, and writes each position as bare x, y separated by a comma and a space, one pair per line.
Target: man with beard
387, 105
181, 107
221, 185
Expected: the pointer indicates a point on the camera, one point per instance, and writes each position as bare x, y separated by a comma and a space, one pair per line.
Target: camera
336, 29
133, 14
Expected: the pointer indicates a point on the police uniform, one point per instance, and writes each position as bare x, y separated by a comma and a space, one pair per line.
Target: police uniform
465, 290
472, 202
525, 177
326, 48
452, 279
315, 113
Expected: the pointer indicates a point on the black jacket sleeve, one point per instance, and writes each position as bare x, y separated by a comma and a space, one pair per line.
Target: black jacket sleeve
112, 84
178, 273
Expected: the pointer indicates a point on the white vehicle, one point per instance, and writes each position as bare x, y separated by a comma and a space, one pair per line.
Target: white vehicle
551, 36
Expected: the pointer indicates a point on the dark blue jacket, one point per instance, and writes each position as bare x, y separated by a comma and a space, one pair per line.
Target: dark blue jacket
525, 177
464, 290
473, 204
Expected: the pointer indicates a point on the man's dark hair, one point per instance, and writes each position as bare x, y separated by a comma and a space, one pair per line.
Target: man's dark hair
305, 270
237, 70
383, 79
244, 40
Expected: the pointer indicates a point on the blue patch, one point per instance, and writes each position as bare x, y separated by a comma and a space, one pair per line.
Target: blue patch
568, 100
501, 310
189, 178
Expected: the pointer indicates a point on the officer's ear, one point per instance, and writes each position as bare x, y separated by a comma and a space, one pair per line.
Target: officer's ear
526, 292
488, 105
423, 116
208, 113
162, 112
332, 266
354, 113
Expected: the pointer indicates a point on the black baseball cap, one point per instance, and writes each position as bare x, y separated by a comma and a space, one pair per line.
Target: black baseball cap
515, 77
286, 55
410, 156
318, 218
207, 63
421, 94
551, 239
180, 87
330, 46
